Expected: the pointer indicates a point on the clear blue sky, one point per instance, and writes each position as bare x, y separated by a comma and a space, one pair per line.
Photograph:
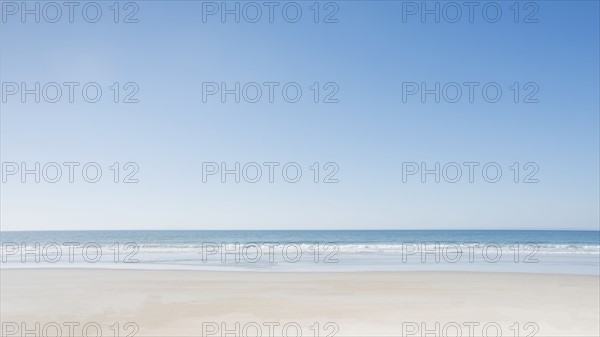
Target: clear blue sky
369, 53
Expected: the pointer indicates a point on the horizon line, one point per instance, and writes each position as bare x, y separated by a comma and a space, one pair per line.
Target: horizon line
295, 230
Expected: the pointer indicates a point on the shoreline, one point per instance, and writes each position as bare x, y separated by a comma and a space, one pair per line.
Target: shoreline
224, 271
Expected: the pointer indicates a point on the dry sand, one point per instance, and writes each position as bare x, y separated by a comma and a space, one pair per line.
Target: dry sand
196, 303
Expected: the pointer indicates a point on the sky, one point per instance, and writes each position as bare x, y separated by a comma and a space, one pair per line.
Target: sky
366, 132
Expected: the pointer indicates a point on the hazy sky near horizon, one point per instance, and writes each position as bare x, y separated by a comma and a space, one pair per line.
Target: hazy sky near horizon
368, 134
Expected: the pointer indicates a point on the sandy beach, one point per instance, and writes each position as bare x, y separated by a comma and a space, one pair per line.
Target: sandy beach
194, 303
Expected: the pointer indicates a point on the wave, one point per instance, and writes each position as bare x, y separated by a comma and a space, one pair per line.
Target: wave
324, 248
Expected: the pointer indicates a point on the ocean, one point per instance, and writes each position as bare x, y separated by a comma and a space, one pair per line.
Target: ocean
561, 252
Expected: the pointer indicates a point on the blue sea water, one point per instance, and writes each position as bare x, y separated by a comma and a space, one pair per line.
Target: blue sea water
563, 252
